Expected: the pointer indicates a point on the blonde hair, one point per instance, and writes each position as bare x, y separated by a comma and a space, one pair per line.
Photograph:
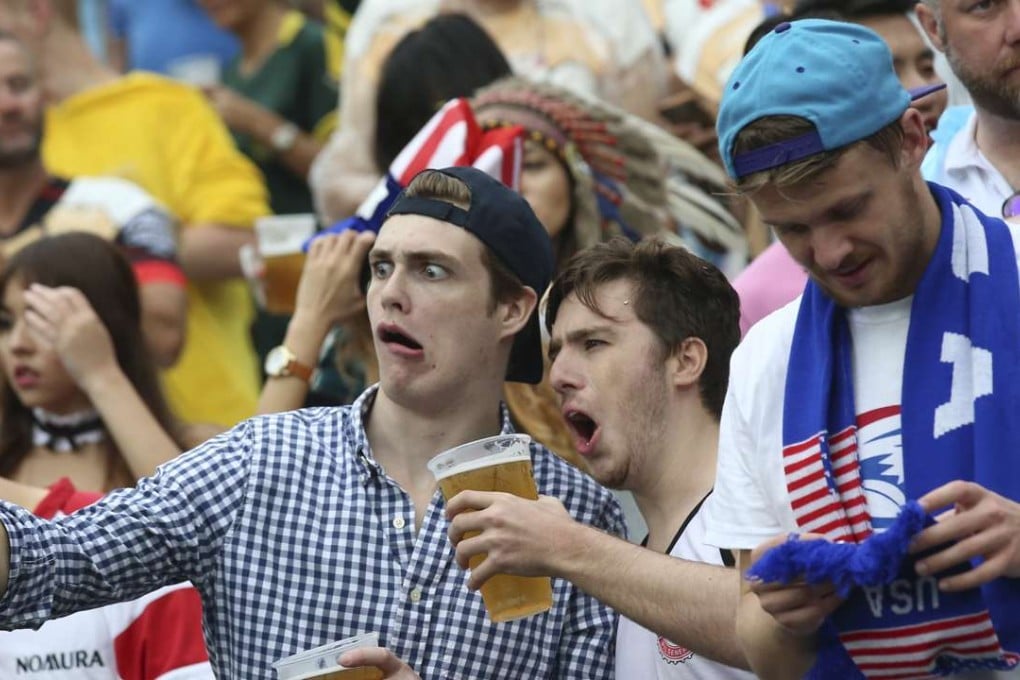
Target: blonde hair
773, 129
441, 187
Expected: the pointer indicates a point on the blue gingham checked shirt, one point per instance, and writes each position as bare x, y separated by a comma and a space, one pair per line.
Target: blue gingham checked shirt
296, 537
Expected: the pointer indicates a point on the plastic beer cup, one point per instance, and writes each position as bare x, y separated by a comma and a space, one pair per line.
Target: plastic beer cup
501, 463
280, 238
322, 663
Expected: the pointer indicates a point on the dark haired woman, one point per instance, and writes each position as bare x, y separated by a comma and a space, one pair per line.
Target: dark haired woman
82, 414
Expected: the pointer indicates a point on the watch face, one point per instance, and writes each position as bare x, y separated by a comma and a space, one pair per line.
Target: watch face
276, 361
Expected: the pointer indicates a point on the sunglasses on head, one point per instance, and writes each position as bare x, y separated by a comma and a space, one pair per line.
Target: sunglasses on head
1011, 206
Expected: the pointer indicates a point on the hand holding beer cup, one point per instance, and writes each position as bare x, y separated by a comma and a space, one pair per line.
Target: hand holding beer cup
380, 659
280, 240
348, 659
501, 463
513, 533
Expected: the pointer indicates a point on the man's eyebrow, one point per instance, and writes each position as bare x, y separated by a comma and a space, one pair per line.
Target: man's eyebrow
577, 336
848, 203
427, 256
411, 255
581, 334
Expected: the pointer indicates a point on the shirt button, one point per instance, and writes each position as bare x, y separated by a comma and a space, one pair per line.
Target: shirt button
416, 595
398, 523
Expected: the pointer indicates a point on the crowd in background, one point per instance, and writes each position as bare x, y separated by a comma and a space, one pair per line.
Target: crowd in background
144, 144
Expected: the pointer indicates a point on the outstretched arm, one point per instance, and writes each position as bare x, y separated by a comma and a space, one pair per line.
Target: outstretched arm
168, 529
690, 603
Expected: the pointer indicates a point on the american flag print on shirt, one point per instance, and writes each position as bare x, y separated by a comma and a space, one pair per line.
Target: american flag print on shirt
889, 631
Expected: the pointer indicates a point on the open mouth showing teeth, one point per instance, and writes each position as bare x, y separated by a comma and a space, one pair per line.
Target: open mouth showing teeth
399, 339
583, 425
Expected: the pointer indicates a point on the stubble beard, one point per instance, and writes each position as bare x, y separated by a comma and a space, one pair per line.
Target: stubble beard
647, 432
11, 159
988, 92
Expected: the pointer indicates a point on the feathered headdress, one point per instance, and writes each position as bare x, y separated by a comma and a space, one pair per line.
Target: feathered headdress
630, 177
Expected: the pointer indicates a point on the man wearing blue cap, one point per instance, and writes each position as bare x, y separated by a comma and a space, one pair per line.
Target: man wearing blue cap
303, 528
891, 380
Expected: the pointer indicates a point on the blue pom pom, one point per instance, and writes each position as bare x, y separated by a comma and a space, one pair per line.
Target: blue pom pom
876, 561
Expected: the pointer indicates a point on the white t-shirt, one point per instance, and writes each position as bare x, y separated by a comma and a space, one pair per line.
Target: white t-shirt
108, 643
751, 503
640, 653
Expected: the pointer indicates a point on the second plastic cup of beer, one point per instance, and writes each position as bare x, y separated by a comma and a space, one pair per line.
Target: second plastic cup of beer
500, 463
280, 238
322, 663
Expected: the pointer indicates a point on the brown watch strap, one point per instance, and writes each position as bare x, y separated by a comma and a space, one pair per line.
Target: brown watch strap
299, 370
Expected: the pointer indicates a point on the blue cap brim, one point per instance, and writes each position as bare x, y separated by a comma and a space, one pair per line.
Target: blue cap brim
918, 92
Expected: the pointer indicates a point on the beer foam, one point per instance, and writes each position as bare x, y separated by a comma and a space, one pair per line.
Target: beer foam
480, 454
283, 234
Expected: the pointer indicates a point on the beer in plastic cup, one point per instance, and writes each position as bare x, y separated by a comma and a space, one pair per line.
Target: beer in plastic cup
322, 663
280, 238
501, 463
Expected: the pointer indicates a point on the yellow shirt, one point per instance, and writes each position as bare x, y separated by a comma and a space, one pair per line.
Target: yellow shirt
165, 137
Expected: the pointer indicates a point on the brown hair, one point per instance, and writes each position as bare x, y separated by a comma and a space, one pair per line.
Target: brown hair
676, 294
774, 129
97, 269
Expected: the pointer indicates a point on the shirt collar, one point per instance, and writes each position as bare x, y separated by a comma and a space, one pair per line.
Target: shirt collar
291, 25
363, 450
963, 151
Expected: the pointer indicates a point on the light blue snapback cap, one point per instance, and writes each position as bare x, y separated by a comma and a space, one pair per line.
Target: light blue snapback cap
837, 75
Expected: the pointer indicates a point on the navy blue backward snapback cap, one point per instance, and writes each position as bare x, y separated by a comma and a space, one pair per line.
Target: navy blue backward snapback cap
836, 74
502, 220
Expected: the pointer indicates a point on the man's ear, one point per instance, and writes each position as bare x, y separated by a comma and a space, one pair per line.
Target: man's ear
514, 314
915, 138
930, 23
687, 362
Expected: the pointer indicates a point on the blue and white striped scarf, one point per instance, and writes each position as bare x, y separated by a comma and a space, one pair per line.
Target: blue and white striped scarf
961, 420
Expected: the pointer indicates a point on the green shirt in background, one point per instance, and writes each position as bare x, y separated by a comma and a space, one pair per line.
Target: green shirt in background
299, 82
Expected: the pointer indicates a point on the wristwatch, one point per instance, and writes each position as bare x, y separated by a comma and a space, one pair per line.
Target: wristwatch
281, 362
284, 137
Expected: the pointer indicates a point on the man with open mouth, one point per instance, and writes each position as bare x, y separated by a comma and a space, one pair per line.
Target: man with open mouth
641, 340
304, 528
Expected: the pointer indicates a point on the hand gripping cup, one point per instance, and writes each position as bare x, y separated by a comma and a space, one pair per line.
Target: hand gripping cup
280, 238
321, 663
501, 463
